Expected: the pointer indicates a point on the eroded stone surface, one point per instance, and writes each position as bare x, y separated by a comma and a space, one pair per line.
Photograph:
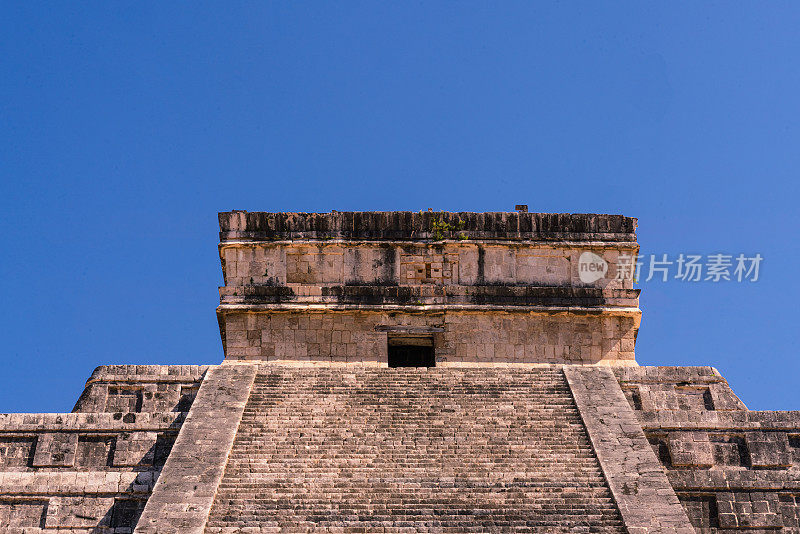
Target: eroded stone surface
503, 287
303, 427
733, 469
93, 470
640, 488
182, 498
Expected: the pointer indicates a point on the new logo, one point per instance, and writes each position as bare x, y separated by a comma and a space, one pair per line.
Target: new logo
591, 267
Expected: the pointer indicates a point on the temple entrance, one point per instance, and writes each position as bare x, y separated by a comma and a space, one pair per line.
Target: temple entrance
407, 351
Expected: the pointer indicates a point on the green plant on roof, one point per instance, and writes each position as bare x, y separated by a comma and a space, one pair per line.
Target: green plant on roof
440, 227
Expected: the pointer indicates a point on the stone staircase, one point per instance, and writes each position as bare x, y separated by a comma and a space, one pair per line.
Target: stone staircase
410, 450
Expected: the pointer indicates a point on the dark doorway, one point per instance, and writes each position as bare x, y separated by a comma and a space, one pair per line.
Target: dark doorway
411, 352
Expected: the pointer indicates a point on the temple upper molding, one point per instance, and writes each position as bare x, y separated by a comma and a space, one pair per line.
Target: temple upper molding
426, 225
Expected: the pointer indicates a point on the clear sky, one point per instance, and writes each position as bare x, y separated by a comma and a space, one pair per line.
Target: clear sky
126, 127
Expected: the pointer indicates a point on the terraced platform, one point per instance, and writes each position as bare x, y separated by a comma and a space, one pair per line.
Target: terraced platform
409, 450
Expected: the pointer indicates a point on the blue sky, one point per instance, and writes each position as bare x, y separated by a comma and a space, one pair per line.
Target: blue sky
125, 128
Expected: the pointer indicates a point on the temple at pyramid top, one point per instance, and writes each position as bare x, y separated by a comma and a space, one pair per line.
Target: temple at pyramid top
428, 288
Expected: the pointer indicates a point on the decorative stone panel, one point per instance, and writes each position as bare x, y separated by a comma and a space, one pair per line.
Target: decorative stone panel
21, 513
690, 449
768, 450
94, 451
55, 449
749, 510
16, 451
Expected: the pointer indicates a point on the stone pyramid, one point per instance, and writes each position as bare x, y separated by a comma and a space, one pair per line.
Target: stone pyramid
410, 372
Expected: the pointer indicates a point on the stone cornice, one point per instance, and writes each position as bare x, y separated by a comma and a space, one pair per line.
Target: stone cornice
426, 226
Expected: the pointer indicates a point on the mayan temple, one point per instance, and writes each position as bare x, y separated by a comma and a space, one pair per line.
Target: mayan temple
410, 372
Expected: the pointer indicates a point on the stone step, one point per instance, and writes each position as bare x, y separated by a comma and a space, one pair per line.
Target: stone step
451, 450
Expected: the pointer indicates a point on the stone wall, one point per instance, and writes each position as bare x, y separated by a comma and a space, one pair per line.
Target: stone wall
447, 263
93, 470
499, 287
458, 337
732, 469
516, 447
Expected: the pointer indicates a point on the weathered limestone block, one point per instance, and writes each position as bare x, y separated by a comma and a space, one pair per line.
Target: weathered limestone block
135, 448
690, 449
55, 449
79, 512
689, 389
124, 399
22, 513
187, 393
723, 397
98, 423
402, 225
768, 449
162, 397
94, 451
790, 509
16, 451
702, 510
142, 388
62, 481
489, 337
729, 449
749, 510
125, 514
634, 395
